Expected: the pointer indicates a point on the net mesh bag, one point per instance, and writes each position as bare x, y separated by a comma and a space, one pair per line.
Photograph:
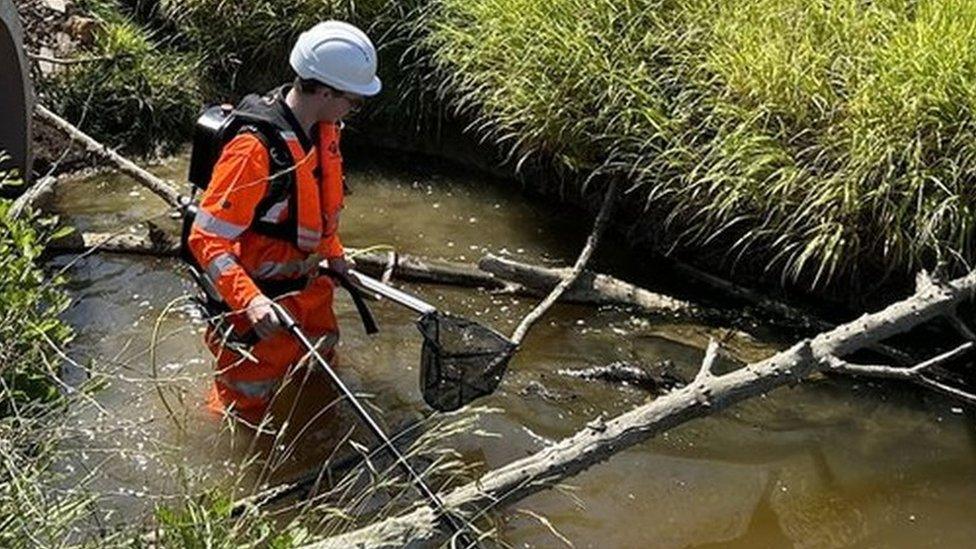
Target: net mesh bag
460, 360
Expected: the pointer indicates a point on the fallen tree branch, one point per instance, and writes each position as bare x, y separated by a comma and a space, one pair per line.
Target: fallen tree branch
161, 188
584, 257
413, 268
917, 374
708, 394
406, 267
589, 287
499, 273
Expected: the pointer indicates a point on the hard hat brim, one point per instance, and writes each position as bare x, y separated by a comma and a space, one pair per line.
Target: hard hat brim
368, 90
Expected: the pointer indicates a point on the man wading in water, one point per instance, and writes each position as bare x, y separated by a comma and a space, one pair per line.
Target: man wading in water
265, 222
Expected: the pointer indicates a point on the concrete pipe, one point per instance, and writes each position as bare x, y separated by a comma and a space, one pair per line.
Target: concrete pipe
16, 94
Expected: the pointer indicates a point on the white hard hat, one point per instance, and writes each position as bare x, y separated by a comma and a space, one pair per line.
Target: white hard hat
338, 54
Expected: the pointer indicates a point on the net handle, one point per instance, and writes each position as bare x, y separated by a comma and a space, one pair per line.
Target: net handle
395, 295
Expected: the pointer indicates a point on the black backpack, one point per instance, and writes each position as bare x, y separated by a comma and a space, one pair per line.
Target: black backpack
217, 125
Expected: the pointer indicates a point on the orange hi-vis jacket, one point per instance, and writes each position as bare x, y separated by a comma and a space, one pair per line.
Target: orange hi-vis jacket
257, 232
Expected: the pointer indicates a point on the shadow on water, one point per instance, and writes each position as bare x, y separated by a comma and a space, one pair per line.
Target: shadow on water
826, 463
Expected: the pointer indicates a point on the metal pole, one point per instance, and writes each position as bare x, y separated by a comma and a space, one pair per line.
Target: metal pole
292, 326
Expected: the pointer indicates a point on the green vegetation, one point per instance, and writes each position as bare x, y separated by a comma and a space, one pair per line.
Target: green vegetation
823, 140
30, 331
31, 400
139, 93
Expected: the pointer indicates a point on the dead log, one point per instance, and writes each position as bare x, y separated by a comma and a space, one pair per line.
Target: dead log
161, 188
412, 268
590, 287
705, 395
122, 242
406, 267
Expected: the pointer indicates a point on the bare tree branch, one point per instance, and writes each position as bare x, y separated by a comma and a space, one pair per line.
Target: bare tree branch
918, 374
601, 440
161, 188
584, 257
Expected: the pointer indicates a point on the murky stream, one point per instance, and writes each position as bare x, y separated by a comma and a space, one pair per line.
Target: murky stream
827, 463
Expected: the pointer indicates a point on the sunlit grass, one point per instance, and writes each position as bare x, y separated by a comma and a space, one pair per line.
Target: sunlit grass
823, 141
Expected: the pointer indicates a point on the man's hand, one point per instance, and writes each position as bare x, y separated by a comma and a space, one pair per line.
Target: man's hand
261, 314
340, 265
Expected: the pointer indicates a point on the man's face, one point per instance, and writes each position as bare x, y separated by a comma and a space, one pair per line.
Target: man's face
336, 105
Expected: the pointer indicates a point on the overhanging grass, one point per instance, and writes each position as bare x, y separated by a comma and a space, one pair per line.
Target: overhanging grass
821, 140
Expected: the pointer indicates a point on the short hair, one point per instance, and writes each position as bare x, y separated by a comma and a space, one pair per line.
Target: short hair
309, 85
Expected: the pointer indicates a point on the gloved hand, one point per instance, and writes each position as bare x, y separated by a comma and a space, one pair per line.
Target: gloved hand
340, 264
260, 312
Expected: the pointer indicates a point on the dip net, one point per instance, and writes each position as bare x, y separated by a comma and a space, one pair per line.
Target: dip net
460, 360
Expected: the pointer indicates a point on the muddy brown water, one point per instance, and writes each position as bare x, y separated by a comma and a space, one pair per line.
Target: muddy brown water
829, 463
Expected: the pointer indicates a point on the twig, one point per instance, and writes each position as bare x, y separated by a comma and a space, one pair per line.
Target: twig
27, 200
591, 243
916, 374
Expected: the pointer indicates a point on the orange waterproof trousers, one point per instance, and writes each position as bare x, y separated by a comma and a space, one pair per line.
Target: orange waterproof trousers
244, 384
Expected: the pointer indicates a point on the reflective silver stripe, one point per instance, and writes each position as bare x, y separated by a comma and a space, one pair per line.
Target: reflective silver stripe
289, 135
274, 212
271, 269
286, 269
308, 239
220, 265
208, 223
252, 389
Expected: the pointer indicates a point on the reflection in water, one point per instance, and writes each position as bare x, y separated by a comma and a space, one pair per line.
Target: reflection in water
824, 464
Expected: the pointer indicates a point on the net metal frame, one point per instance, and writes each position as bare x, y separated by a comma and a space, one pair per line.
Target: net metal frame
460, 360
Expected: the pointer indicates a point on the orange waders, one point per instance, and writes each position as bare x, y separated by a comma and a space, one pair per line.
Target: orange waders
255, 234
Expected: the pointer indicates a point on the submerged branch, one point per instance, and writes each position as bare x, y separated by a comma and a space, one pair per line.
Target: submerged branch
778, 308
660, 378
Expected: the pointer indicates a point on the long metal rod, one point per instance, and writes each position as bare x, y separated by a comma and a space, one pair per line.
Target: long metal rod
364, 415
370, 284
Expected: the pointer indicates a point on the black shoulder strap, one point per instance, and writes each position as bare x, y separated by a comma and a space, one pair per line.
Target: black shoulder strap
281, 178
